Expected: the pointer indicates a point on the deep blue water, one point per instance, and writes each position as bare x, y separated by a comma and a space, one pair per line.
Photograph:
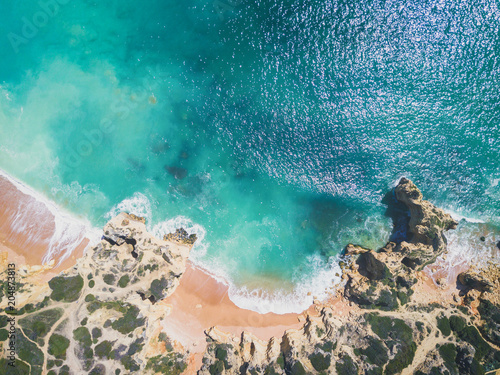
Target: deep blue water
271, 128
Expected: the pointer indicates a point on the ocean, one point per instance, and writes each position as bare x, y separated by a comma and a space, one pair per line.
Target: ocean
271, 129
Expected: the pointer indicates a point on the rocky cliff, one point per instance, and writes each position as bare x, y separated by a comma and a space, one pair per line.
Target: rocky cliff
104, 315
388, 331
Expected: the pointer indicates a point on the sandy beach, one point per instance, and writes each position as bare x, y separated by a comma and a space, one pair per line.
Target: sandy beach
199, 303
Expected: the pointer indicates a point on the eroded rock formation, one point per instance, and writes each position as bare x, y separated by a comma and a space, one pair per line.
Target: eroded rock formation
101, 316
391, 333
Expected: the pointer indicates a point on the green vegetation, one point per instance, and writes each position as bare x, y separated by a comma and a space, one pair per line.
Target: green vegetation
124, 280
374, 371
171, 364
327, 346
129, 322
19, 368
216, 368
129, 363
320, 361
375, 352
91, 283
136, 346
103, 349
346, 366
387, 300
4, 334
443, 323
37, 325
298, 369
394, 329
491, 315
157, 288
449, 353
66, 289
386, 327
319, 331
98, 370
109, 279
58, 345
471, 335
89, 298
151, 267
403, 297
281, 361
96, 333
29, 352
82, 335
3, 320
221, 354
403, 359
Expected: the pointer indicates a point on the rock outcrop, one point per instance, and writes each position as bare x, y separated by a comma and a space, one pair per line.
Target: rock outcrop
391, 333
101, 316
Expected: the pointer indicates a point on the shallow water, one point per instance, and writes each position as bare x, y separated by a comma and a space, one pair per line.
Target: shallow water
272, 129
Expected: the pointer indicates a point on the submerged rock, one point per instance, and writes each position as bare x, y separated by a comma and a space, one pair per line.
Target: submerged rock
178, 173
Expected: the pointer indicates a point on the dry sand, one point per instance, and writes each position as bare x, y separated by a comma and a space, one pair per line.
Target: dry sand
200, 302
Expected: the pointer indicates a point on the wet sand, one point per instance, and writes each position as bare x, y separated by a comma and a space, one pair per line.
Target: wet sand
199, 303
25, 237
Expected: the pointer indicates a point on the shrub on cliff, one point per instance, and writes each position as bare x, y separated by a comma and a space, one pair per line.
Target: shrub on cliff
320, 361
346, 366
66, 289
58, 345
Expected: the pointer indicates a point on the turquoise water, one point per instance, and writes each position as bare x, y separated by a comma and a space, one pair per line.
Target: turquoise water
272, 129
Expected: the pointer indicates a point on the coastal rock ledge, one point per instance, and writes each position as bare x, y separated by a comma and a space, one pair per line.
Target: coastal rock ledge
105, 315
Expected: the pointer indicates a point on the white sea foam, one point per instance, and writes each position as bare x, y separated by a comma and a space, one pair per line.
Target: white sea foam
138, 205
69, 231
323, 274
322, 277
459, 217
169, 226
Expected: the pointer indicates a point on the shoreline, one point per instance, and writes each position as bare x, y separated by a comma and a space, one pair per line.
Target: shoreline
199, 315
200, 302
